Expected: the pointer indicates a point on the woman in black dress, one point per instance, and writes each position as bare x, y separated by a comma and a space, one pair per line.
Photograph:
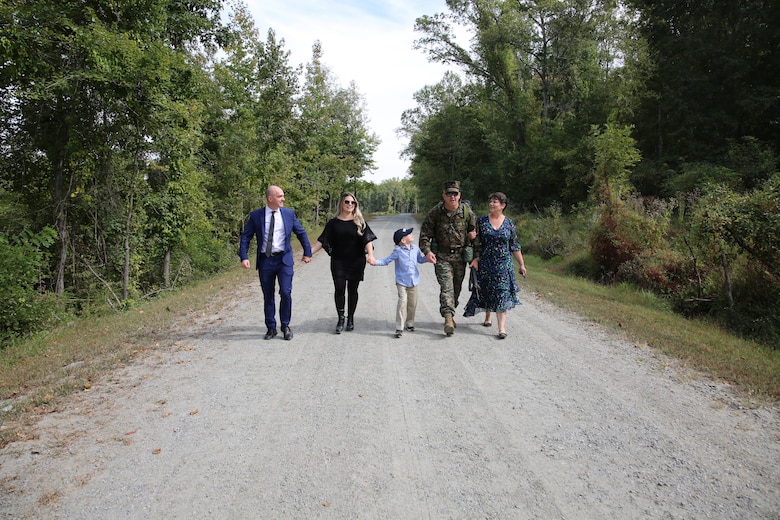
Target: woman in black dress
347, 239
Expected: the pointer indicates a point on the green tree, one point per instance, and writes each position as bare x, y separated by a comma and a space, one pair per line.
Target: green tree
335, 146
24, 307
448, 139
619, 235
735, 239
713, 77
542, 72
251, 123
750, 222
86, 79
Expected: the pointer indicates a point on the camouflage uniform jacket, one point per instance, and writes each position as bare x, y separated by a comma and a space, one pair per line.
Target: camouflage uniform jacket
443, 231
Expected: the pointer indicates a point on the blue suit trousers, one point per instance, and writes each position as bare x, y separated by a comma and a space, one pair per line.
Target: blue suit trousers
271, 269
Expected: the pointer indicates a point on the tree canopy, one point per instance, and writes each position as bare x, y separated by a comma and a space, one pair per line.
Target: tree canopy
694, 81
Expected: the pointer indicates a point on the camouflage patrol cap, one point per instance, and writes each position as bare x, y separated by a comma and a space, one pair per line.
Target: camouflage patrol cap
452, 187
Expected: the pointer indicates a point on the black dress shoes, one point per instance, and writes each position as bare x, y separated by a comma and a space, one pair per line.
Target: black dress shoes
288, 335
270, 334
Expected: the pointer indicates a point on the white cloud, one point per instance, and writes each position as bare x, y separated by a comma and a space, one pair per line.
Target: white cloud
368, 42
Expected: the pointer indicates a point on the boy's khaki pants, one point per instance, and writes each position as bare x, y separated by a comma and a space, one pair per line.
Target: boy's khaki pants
407, 304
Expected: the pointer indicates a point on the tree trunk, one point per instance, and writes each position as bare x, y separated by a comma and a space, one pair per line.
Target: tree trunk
727, 280
126, 268
60, 217
167, 269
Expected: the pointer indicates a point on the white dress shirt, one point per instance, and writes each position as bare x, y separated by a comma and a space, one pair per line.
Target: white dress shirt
278, 238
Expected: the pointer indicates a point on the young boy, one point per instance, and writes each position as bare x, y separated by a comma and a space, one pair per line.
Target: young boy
406, 255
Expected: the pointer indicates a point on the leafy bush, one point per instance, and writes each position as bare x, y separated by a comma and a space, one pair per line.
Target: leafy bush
627, 229
552, 233
208, 255
756, 312
662, 271
735, 240
612, 242
23, 308
700, 175
579, 264
712, 255
753, 160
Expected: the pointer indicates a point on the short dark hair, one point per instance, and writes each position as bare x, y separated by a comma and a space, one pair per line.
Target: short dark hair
499, 196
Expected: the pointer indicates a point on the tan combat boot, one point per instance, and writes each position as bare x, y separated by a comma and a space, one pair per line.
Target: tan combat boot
449, 324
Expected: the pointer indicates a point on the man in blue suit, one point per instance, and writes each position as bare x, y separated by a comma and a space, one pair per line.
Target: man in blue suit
273, 226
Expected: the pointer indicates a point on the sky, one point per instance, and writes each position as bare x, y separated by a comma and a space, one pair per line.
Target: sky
365, 41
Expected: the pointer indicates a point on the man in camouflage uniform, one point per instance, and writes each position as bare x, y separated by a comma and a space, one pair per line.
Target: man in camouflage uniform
448, 228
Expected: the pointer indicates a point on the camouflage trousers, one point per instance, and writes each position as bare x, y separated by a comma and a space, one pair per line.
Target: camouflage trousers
450, 274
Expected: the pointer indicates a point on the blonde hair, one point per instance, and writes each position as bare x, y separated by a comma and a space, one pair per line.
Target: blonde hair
357, 216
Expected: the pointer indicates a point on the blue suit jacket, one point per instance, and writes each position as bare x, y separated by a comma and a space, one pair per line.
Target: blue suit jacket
255, 226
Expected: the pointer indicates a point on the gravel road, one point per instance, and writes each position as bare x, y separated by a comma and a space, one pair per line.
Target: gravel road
558, 421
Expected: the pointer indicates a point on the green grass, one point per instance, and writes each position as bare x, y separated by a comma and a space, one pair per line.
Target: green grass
645, 319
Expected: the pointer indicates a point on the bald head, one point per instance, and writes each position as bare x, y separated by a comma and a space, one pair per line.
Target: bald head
275, 197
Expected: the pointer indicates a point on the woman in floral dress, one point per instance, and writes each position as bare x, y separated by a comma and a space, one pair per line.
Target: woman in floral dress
495, 272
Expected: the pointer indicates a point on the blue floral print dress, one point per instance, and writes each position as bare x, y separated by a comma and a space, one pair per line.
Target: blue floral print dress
496, 275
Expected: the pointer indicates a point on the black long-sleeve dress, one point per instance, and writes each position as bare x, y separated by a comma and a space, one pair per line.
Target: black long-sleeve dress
346, 248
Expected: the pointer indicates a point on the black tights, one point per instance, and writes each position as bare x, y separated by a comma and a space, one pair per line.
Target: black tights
343, 285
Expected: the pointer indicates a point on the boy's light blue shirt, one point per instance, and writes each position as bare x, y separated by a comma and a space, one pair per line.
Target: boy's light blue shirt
406, 260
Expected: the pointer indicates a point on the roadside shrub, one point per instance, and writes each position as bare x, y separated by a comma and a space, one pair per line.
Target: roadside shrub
579, 264
662, 271
756, 312
552, 233
207, 255
699, 175
735, 239
23, 308
616, 239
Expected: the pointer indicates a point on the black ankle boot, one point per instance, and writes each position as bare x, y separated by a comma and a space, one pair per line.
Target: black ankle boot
340, 324
350, 323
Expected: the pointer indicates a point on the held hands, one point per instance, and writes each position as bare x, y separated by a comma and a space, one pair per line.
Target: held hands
472, 234
306, 259
371, 260
431, 257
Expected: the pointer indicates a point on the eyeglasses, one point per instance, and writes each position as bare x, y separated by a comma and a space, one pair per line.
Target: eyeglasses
350, 202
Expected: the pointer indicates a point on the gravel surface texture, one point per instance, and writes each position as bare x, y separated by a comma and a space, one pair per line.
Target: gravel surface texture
558, 421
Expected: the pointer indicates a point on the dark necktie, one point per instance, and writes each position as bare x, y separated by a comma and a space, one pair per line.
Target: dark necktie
270, 240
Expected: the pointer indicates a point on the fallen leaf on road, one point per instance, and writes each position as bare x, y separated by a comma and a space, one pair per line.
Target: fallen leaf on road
194, 411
